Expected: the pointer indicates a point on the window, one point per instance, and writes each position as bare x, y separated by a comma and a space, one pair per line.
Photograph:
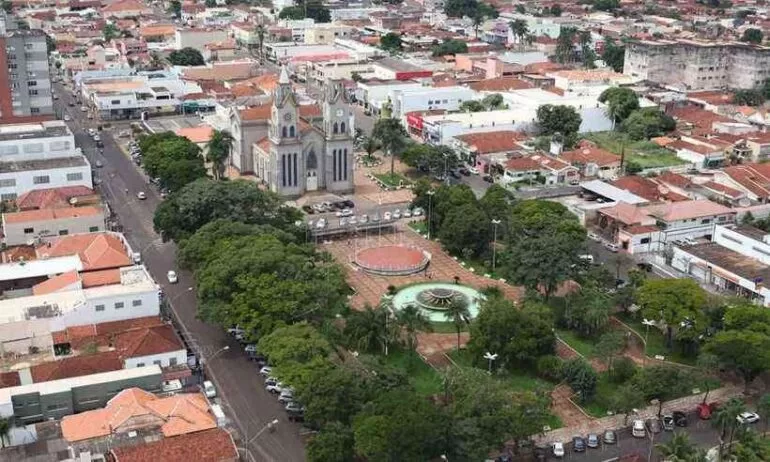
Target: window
722, 218
119, 305
8, 182
34, 110
115, 101
56, 407
12, 66
172, 361
32, 93
32, 148
136, 303
93, 229
63, 232
291, 131
74, 176
99, 307
32, 83
156, 362
9, 150
342, 127
645, 240
8, 197
41, 179
139, 364
29, 230
705, 221
335, 128
59, 145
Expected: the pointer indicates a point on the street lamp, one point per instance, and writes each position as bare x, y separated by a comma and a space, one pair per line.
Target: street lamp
216, 353
494, 245
647, 323
430, 202
490, 357
268, 426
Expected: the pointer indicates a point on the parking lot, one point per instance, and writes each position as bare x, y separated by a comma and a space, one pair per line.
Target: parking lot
173, 123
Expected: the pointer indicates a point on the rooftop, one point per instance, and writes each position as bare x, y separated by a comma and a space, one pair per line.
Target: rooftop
611, 192
215, 445
51, 214
397, 65
729, 260
52, 197
687, 210
96, 250
491, 142
15, 132
43, 164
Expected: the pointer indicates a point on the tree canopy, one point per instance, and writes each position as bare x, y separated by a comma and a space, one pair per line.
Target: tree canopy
391, 42
744, 344
613, 55
450, 47
647, 123
187, 56
620, 101
204, 200
174, 160
673, 302
553, 119
752, 35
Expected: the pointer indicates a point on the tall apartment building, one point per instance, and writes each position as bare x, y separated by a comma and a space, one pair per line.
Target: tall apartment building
25, 84
698, 65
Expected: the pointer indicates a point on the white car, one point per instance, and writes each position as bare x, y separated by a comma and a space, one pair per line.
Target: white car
473, 170
67, 118
363, 218
83, 109
638, 430
611, 247
748, 418
97, 138
352, 221
172, 277
387, 216
274, 387
209, 390
407, 213
594, 237
141, 195
558, 449
265, 371
417, 211
92, 132
286, 396
344, 213
396, 214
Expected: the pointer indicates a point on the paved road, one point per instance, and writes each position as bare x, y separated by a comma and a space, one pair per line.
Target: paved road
236, 378
700, 432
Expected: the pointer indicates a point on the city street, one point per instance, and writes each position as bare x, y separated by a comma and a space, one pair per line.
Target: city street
236, 378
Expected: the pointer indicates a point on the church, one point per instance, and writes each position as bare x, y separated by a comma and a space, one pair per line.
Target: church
298, 156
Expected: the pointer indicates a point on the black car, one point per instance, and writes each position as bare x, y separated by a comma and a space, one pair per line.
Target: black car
308, 209
668, 422
680, 419
464, 171
348, 204
578, 444
488, 179
541, 454
455, 174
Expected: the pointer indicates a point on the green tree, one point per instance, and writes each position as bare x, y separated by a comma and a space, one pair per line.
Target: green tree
606, 5
626, 400
494, 101
370, 330
647, 123
586, 51
545, 242
613, 54
156, 62
744, 351
763, 408
673, 301
175, 160
187, 56
708, 365
334, 443
472, 106
581, 377
203, 201
297, 343
609, 346
752, 35
752, 97
465, 229
5, 428
412, 320
662, 383
726, 419
553, 119
520, 30
621, 102
450, 47
392, 136
565, 45
517, 336
110, 31
292, 12
219, 148
751, 447
175, 8
210, 3
391, 42
370, 145
588, 311
50, 44
7, 6
429, 158
481, 13
260, 31
333, 395
679, 448
458, 314
555, 10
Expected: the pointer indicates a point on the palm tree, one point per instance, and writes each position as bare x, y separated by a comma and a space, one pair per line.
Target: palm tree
5, 427
368, 330
458, 314
219, 147
392, 137
370, 145
520, 30
726, 418
260, 30
679, 449
411, 319
156, 61
763, 407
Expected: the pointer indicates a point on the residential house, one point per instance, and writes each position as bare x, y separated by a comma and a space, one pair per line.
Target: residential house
539, 168
482, 150
751, 179
593, 162
22, 227
215, 445
125, 9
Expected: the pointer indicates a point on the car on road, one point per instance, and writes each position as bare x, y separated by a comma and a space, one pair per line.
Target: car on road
83, 109
99, 164
558, 449
250, 350
295, 411
473, 170
67, 118
375, 218
592, 441
71, 104
209, 390
286, 396
96, 137
276, 387
396, 214
265, 371
235, 331
352, 221
578, 444
668, 422
92, 132
611, 247
637, 429
172, 277
416, 212
344, 213
747, 418
141, 195
407, 213
680, 419
363, 218
321, 223
594, 237
610, 437
387, 216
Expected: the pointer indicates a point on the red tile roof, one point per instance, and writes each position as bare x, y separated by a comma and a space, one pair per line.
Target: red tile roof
56, 283
51, 197
701, 119
102, 333
9, 379
724, 190
215, 445
96, 250
503, 84
263, 112
100, 278
76, 366
29, 216
492, 142
590, 154
522, 164
754, 177
147, 341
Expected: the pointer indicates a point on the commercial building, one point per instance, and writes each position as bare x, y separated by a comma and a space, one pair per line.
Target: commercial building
20, 227
696, 65
40, 156
737, 261
25, 84
397, 69
430, 99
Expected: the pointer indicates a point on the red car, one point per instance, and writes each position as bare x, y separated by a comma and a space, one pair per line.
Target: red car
705, 410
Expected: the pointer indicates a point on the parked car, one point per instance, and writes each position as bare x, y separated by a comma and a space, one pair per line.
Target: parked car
375, 218
416, 212
705, 411
594, 237
747, 418
141, 195
265, 371
308, 209
407, 213
286, 396
344, 213
209, 390
172, 277
680, 419
363, 218
83, 109
592, 441
99, 164
611, 247
668, 422
653, 426
396, 214
473, 170
295, 411
387, 216
637, 429
235, 330
464, 171
348, 203
610, 437
558, 449
275, 387
67, 118
578, 444
488, 179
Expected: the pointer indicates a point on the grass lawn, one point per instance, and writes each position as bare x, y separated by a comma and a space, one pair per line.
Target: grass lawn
602, 401
584, 346
643, 153
519, 380
420, 226
656, 341
424, 378
392, 180
447, 328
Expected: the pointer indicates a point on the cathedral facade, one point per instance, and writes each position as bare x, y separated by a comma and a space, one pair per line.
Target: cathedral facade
297, 156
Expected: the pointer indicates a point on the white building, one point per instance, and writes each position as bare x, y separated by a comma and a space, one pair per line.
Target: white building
198, 38
343, 14
20, 227
440, 129
40, 156
737, 260
373, 94
429, 98
593, 113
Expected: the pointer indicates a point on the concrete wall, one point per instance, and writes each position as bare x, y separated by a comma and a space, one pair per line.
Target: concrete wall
15, 232
24, 181
198, 38
164, 359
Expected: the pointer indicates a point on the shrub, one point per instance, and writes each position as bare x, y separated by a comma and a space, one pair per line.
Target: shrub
549, 367
623, 369
581, 378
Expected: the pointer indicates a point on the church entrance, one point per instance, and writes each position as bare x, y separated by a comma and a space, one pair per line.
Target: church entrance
311, 166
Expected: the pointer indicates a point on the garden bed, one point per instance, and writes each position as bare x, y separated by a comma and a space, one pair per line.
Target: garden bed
656, 341
392, 180
584, 346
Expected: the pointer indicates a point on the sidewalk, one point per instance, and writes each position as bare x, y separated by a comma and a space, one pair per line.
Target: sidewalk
615, 422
